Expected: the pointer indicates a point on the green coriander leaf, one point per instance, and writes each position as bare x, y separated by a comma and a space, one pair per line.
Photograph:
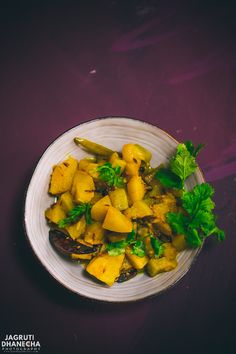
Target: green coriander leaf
192, 150
178, 222
198, 199
183, 164
193, 239
138, 248
73, 215
116, 248
157, 246
110, 175
88, 217
220, 234
169, 179
131, 236
200, 222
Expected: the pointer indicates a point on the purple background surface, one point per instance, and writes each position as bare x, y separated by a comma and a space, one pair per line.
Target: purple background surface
171, 63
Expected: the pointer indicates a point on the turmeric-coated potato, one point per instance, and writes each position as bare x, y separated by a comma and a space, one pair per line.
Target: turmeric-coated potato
105, 268
116, 221
55, 213
82, 187
99, 209
136, 188
62, 176
159, 265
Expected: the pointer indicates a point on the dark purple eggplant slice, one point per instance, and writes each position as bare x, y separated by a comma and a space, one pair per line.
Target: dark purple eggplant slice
126, 275
66, 246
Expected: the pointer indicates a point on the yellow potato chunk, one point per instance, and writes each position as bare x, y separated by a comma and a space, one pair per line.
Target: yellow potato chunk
66, 201
94, 233
119, 199
132, 168
116, 221
159, 265
115, 236
136, 261
131, 152
106, 268
116, 161
55, 213
179, 242
148, 246
169, 251
138, 210
89, 167
160, 210
62, 176
142, 153
77, 229
136, 189
82, 187
99, 209
76, 256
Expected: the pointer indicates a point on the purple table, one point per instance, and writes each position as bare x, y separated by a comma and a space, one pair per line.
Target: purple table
168, 63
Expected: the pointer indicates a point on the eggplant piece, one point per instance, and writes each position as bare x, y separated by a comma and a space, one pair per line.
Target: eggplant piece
66, 246
126, 275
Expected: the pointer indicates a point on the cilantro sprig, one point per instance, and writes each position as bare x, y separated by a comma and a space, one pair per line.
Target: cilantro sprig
199, 221
111, 175
157, 246
137, 246
182, 165
75, 213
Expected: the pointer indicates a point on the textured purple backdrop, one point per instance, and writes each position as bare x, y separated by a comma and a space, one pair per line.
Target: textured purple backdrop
171, 63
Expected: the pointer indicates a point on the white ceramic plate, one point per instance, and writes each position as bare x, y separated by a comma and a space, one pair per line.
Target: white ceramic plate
111, 132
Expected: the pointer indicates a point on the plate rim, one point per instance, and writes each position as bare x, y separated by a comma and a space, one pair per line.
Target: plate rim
40, 262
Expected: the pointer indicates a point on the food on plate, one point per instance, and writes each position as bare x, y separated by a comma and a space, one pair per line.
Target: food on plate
118, 216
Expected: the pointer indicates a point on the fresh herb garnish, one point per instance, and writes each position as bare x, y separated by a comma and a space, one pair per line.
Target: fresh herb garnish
191, 148
116, 248
138, 248
169, 179
182, 165
75, 213
157, 246
199, 221
111, 175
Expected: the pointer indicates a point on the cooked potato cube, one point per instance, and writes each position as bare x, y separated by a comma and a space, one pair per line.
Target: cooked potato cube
62, 176
136, 189
148, 246
132, 168
94, 233
66, 201
82, 187
77, 229
115, 236
76, 256
99, 209
138, 210
89, 167
142, 153
169, 251
105, 267
55, 213
119, 199
116, 161
116, 221
159, 265
136, 261
179, 242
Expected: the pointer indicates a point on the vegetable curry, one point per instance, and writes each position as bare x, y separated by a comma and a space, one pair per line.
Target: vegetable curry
118, 216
